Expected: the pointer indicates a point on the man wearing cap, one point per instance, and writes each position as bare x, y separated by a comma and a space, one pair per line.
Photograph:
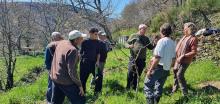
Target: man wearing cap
186, 49
64, 71
49, 51
89, 56
137, 42
163, 58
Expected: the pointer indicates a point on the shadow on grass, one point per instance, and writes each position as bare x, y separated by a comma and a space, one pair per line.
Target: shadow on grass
202, 94
114, 86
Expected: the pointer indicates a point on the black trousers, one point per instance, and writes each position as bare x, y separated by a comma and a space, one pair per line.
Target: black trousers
71, 91
132, 75
86, 68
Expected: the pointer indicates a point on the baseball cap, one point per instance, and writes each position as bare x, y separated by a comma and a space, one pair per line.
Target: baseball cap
101, 33
76, 34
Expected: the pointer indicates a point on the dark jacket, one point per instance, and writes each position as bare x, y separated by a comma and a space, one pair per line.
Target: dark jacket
139, 41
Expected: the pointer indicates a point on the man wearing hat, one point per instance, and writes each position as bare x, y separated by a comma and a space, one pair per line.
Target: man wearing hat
49, 51
64, 71
137, 42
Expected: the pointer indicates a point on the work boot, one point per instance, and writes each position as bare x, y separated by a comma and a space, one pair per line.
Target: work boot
156, 100
92, 83
150, 100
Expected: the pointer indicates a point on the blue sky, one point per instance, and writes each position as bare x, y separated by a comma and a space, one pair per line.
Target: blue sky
118, 6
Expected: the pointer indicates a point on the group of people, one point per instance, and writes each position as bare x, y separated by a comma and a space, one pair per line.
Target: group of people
166, 54
62, 58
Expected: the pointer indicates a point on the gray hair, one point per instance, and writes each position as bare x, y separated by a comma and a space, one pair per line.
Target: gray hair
192, 27
56, 35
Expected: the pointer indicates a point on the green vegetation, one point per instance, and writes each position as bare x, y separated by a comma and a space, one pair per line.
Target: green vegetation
26, 64
114, 91
197, 11
124, 32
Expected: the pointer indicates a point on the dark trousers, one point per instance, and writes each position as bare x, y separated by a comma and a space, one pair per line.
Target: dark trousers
179, 79
153, 86
132, 75
71, 91
99, 77
86, 68
49, 89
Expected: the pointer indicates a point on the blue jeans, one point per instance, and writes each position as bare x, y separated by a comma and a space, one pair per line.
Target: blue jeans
153, 86
49, 89
71, 91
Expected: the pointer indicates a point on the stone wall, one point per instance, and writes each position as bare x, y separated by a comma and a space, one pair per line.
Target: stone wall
209, 48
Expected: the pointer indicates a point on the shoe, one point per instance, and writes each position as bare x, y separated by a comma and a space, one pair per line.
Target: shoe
156, 100
150, 100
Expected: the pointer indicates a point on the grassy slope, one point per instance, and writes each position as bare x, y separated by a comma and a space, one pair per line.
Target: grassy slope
115, 81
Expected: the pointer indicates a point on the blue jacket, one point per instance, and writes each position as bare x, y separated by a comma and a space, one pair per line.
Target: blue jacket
50, 49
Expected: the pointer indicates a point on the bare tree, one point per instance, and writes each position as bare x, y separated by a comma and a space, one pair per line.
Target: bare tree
97, 11
54, 15
8, 46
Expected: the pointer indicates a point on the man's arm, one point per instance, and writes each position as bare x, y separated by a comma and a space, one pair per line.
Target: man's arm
48, 58
173, 62
155, 62
82, 48
130, 42
149, 44
72, 58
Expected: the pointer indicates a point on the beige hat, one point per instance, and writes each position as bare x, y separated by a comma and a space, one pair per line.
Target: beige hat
76, 34
101, 33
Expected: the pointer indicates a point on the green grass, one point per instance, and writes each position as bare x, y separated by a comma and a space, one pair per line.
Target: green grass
24, 65
114, 91
27, 94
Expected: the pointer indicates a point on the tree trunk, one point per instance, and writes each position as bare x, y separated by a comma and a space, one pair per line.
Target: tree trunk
177, 3
108, 32
10, 80
11, 64
1, 87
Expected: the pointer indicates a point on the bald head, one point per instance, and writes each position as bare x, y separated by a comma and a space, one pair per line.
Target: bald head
56, 36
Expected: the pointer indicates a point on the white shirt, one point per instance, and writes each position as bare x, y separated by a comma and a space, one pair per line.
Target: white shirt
165, 48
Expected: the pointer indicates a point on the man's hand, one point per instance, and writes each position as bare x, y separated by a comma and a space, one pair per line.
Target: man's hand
131, 46
149, 72
97, 64
179, 59
81, 91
